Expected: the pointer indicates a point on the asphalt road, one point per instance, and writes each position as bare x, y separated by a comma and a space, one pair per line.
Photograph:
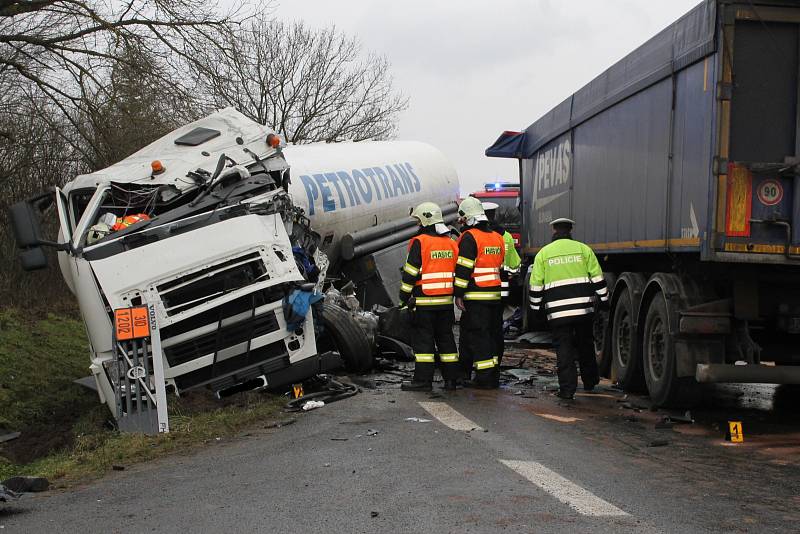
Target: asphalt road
484, 462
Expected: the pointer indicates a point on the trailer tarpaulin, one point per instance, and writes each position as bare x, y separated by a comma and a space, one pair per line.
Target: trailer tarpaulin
508, 145
689, 39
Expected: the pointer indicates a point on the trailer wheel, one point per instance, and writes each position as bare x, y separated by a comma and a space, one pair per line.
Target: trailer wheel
626, 362
659, 360
343, 334
601, 342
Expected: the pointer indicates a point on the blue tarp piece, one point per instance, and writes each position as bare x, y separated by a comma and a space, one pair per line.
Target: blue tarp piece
508, 145
309, 267
296, 305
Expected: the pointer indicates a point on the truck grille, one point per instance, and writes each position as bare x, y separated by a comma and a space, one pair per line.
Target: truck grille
220, 339
197, 288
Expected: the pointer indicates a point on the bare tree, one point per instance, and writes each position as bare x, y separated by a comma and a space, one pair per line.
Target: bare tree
308, 85
42, 40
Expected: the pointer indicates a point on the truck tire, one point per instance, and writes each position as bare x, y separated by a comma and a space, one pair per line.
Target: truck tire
602, 342
343, 334
659, 360
602, 332
626, 362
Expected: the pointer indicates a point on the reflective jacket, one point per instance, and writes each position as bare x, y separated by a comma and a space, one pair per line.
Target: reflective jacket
480, 255
511, 263
566, 280
429, 270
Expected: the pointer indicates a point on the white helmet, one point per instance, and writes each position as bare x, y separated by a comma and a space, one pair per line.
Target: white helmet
97, 232
428, 214
470, 207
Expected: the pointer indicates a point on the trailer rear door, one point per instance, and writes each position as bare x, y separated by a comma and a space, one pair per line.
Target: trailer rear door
760, 83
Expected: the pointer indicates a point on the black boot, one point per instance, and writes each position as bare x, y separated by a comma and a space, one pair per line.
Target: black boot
416, 386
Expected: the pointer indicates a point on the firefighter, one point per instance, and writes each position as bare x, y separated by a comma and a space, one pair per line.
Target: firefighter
509, 269
477, 291
566, 283
427, 289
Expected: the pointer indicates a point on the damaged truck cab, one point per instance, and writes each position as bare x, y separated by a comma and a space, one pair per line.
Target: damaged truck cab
204, 230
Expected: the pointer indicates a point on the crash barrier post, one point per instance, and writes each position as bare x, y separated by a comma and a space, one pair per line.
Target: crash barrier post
140, 390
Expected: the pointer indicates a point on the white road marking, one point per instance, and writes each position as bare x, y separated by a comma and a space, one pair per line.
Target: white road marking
449, 416
577, 498
559, 418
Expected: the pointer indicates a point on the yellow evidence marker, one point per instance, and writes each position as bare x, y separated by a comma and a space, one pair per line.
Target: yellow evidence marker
297, 390
735, 434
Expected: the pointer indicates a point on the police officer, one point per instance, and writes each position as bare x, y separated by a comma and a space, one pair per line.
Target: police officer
565, 284
427, 288
477, 291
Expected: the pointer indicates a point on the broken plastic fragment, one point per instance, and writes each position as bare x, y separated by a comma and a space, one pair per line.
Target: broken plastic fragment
312, 404
417, 420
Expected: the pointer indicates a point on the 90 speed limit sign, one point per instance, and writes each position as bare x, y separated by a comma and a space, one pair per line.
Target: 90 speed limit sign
770, 192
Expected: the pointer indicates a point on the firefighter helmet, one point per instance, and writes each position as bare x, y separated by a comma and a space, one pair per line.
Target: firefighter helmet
470, 207
428, 214
97, 232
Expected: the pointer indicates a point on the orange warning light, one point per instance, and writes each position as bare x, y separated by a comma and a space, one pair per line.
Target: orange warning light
157, 167
273, 141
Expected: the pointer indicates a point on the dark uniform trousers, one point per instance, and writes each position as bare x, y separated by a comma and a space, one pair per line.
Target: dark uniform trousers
575, 344
433, 330
477, 341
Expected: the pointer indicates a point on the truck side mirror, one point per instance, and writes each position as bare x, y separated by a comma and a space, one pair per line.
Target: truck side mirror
25, 224
33, 259
28, 233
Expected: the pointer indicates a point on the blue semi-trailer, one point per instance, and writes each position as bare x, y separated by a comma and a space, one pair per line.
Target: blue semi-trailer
680, 166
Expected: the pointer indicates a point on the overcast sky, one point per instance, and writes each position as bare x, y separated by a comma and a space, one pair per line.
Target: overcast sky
475, 68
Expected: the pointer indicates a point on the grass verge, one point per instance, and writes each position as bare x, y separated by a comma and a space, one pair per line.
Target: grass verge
65, 435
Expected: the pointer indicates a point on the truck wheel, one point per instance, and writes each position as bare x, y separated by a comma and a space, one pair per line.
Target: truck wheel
343, 334
601, 342
626, 363
602, 332
659, 360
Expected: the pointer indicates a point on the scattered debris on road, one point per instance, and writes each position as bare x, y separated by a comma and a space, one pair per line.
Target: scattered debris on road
26, 484
325, 390
278, 424
6, 495
312, 404
417, 420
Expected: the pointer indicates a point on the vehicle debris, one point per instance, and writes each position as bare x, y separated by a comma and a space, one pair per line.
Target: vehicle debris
25, 484
417, 420
312, 405
521, 374
279, 424
9, 436
6, 495
658, 443
373, 432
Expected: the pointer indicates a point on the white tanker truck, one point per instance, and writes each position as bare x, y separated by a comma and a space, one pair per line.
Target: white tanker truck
194, 260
